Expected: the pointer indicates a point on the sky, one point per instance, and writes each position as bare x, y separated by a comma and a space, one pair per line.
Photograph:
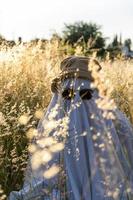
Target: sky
40, 18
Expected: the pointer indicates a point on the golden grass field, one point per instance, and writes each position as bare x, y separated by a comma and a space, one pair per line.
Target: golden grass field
26, 72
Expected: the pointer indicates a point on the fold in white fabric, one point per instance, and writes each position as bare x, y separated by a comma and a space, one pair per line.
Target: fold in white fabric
94, 156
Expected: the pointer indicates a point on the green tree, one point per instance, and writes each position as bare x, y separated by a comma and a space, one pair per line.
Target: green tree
128, 43
115, 42
82, 32
114, 48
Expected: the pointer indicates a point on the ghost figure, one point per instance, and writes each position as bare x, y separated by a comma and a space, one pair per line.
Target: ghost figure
77, 153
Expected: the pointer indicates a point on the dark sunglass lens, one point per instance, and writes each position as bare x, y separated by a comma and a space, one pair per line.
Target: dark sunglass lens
86, 94
68, 94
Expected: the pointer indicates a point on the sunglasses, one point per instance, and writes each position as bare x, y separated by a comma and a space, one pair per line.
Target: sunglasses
85, 94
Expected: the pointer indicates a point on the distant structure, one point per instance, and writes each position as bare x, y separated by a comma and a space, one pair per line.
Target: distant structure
126, 52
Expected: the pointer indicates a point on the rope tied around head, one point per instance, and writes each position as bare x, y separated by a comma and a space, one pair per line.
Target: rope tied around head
74, 67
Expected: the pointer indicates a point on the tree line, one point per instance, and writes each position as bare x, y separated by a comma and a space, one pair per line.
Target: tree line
87, 35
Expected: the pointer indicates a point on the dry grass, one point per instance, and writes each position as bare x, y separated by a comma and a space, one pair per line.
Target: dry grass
26, 72
119, 74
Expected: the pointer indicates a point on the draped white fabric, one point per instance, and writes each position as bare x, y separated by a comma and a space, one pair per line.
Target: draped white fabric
96, 162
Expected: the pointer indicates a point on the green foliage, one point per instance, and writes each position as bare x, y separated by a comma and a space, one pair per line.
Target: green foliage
115, 42
82, 32
115, 47
128, 43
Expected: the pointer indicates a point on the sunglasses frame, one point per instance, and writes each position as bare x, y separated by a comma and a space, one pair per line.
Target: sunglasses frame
85, 94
